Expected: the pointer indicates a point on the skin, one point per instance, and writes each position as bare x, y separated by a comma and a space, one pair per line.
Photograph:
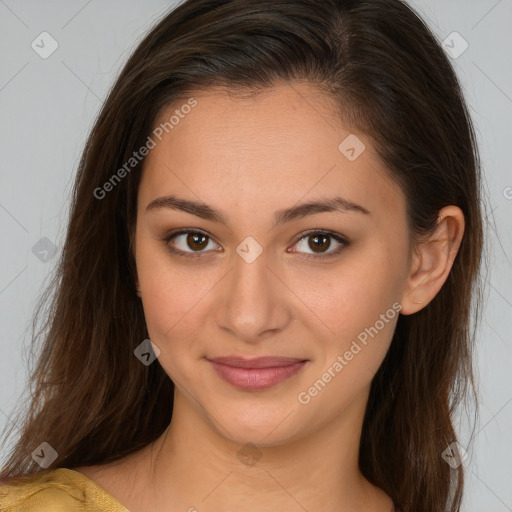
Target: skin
250, 157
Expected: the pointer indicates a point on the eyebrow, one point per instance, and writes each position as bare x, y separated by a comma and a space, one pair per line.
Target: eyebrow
200, 209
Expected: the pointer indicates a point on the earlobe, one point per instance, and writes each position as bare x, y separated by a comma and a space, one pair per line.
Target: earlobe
432, 260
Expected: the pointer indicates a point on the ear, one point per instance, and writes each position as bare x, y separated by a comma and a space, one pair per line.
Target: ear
432, 260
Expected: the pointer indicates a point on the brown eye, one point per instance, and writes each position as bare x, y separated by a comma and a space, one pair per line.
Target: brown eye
188, 242
319, 243
196, 241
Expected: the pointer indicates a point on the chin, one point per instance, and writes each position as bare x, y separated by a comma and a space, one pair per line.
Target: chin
263, 424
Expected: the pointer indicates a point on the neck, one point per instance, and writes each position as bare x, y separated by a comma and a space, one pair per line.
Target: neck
194, 466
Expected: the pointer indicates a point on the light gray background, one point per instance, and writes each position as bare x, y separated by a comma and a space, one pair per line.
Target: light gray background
48, 106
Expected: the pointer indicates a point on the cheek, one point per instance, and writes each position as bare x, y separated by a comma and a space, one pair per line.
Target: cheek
360, 305
362, 312
167, 294
357, 291
169, 319
173, 298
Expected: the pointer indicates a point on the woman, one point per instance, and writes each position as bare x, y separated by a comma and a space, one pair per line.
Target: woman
263, 301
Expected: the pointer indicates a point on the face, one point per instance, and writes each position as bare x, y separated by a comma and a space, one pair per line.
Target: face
234, 265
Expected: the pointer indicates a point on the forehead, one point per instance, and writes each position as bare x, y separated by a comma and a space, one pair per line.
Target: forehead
282, 146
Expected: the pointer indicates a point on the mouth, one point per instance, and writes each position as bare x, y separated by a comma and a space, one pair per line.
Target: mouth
257, 373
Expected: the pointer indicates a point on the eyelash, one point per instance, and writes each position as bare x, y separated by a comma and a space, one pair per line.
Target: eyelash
195, 254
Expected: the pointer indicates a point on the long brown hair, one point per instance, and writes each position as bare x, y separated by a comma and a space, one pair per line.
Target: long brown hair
94, 402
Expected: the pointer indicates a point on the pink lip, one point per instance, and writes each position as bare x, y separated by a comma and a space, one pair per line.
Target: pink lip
258, 373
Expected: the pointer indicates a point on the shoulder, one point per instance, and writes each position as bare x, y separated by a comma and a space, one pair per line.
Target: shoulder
45, 492
58, 490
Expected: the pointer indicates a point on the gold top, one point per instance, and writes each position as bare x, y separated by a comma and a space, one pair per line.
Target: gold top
59, 490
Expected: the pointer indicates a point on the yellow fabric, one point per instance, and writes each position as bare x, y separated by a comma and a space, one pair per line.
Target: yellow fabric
59, 490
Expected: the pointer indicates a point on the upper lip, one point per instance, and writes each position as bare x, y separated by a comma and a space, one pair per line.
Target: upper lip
256, 362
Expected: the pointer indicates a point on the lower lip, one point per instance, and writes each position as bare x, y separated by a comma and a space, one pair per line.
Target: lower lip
255, 379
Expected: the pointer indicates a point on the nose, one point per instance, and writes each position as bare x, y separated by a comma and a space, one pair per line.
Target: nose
255, 302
